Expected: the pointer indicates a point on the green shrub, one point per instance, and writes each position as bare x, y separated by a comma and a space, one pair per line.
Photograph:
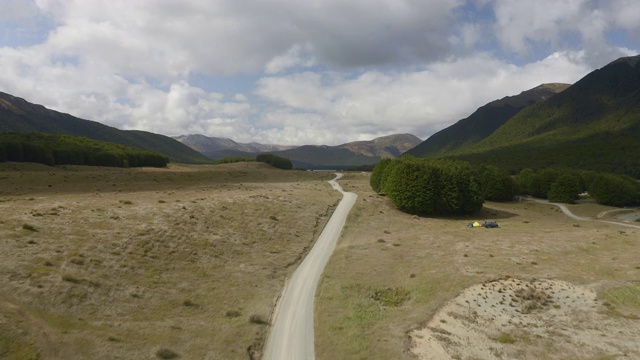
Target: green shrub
615, 190
566, 189
505, 338
235, 159
164, 353
29, 227
233, 313
391, 297
377, 174
257, 319
497, 184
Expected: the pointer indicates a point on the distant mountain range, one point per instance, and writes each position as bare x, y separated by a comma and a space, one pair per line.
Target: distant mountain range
215, 146
593, 124
19, 115
353, 154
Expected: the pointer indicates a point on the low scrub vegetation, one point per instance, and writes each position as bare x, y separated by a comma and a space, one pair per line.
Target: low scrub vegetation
391, 297
235, 159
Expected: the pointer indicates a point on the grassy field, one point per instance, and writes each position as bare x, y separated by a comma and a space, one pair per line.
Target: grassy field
391, 272
188, 261
104, 263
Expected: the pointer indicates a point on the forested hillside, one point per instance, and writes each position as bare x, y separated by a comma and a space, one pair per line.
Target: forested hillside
592, 125
483, 122
55, 149
18, 115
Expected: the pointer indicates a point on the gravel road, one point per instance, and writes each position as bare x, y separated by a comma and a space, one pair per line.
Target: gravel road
291, 335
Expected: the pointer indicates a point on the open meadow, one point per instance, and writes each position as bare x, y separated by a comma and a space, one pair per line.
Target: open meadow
541, 286
188, 261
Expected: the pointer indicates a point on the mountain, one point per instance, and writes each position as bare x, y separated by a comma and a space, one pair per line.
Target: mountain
18, 115
216, 147
483, 122
594, 124
352, 154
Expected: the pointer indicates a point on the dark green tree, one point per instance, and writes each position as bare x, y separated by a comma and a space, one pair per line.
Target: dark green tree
566, 189
497, 184
377, 174
275, 161
432, 187
615, 190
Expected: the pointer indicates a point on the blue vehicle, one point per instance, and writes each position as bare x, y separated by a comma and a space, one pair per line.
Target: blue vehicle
490, 224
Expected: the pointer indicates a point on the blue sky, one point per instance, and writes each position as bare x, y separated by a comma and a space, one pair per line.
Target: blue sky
295, 71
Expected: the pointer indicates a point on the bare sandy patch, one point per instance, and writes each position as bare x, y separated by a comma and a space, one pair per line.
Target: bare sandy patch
526, 319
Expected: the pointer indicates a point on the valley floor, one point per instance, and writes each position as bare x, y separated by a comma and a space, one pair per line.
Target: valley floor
150, 263
107, 263
406, 287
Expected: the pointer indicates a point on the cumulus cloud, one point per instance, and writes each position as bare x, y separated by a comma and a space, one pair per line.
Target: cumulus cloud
365, 67
524, 26
419, 102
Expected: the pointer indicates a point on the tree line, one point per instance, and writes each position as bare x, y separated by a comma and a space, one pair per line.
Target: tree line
275, 161
452, 187
565, 185
57, 149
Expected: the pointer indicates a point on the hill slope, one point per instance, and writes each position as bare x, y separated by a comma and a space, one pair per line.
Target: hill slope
483, 122
594, 124
18, 115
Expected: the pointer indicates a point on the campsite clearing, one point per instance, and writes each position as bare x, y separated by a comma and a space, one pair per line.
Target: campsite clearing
393, 273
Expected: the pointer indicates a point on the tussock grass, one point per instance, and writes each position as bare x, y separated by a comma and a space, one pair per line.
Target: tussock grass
505, 338
391, 297
164, 353
29, 227
624, 296
156, 260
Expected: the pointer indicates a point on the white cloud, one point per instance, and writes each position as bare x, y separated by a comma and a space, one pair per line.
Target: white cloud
327, 71
420, 102
296, 56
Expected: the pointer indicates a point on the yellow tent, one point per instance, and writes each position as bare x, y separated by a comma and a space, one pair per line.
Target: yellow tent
476, 224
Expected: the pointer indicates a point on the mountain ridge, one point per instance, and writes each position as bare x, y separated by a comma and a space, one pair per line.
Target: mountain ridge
483, 122
19, 115
351, 154
592, 125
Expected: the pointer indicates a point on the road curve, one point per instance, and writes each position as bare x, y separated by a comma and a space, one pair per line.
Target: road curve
568, 212
291, 335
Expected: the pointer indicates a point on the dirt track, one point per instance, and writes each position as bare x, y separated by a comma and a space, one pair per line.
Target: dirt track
291, 336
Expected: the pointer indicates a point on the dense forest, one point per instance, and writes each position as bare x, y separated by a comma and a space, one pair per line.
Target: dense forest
52, 149
275, 161
452, 187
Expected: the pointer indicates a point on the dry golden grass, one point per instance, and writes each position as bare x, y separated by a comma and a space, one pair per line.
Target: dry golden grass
106, 263
435, 259
188, 261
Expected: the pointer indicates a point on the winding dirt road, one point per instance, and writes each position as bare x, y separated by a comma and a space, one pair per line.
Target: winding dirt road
291, 335
568, 212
